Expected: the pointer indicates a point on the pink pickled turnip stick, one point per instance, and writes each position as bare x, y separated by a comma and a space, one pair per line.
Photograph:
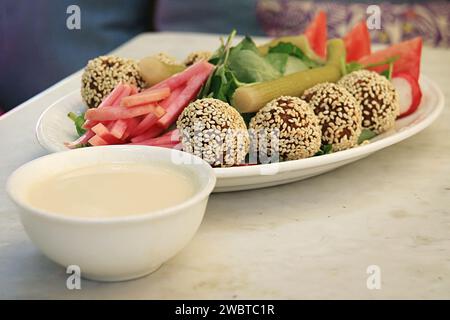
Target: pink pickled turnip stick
113, 99
107, 114
118, 128
81, 140
183, 77
189, 93
164, 139
127, 91
146, 97
153, 132
151, 119
97, 141
172, 98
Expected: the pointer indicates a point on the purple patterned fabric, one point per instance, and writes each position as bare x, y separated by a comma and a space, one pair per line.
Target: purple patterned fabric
399, 21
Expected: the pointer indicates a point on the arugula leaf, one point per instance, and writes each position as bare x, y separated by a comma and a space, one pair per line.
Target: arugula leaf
221, 54
366, 134
293, 50
250, 67
217, 83
278, 61
245, 44
388, 72
237, 66
78, 121
244, 64
324, 149
216, 56
294, 65
355, 66
223, 84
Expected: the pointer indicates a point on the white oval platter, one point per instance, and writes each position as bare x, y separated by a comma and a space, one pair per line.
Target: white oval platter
54, 128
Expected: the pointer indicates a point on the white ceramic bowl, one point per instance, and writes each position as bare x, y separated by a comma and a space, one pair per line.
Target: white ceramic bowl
119, 248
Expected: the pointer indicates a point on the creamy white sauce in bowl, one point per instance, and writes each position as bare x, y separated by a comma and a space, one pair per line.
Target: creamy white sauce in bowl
112, 190
118, 212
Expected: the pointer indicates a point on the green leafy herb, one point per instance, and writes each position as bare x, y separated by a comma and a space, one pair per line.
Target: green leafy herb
221, 54
388, 72
220, 83
292, 50
277, 61
78, 121
244, 64
245, 44
237, 66
355, 66
294, 65
366, 134
324, 149
249, 67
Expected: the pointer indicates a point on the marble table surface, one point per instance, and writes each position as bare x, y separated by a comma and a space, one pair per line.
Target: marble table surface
311, 239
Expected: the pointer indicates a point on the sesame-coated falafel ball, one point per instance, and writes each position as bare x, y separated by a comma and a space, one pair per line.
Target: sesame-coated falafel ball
377, 96
296, 124
103, 74
166, 58
214, 131
338, 112
197, 56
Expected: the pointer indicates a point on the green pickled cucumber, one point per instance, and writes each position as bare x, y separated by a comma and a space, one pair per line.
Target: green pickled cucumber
153, 71
253, 97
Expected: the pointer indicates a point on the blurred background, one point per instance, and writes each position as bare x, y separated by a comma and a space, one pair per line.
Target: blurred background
37, 49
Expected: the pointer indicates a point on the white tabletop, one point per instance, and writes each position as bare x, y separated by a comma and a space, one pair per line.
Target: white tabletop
311, 239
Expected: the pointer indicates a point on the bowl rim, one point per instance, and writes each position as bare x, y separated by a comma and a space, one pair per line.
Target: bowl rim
199, 194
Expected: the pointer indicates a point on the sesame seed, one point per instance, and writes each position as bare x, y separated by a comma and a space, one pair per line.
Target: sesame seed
338, 112
298, 129
377, 96
226, 140
103, 74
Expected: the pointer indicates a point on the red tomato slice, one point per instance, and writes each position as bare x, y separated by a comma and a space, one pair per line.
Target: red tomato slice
357, 42
409, 53
316, 33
